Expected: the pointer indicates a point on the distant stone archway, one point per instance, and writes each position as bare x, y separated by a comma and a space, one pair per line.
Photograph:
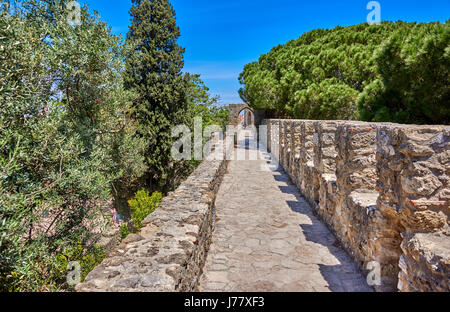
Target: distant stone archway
236, 109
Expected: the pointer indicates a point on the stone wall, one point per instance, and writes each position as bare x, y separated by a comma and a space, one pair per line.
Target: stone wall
308, 178
325, 156
355, 185
414, 175
273, 135
287, 146
383, 189
296, 151
168, 254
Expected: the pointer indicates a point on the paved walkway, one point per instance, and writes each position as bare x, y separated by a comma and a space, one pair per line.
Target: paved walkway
267, 239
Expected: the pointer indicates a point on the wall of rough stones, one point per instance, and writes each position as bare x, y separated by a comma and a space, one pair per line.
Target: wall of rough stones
383, 189
296, 150
168, 254
413, 166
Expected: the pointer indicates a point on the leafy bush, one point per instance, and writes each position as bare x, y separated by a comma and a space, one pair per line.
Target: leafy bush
87, 257
124, 231
50, 273
142, 205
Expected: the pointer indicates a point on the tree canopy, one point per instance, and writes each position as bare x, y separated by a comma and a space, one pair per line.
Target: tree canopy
388, 72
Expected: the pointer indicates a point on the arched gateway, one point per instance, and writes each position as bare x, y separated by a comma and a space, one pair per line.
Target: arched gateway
236, 109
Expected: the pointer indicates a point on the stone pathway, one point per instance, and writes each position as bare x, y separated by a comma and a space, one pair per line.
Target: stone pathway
266, 238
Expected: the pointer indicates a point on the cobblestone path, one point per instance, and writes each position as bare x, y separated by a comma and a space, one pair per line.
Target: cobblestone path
266, 238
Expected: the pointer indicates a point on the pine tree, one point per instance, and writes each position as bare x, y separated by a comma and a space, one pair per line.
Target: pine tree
153, 71
396, 72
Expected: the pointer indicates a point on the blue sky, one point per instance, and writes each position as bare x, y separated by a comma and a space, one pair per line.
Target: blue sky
221, 36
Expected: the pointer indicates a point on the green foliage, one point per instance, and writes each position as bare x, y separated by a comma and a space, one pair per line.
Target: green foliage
66, 137
142, 205
329, 74
153, 71
166, 97
124, 231
202, 104
414, 77
77, 123
50, 273
87, 257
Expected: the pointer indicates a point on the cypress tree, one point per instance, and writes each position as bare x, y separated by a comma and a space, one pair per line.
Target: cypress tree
153, 71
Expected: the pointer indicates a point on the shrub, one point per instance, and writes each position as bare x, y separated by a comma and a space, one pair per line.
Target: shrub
50, 273
142, 205
87, 257
124, 231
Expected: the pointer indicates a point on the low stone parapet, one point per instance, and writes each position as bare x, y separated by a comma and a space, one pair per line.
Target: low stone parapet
383, 189
425, 263
413, 164
168, 254
295, 150
273, 135
325, 155
286, 124
356, 178
309, 183
282, 143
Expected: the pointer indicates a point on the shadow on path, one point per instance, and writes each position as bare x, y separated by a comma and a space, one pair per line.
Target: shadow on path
344, 276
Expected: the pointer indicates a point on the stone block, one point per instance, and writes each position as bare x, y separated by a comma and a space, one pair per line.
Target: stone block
283, 147
287, 146
325, 166
328, 199
356, 159
296, 150
413, 182
425, 263
309, 184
